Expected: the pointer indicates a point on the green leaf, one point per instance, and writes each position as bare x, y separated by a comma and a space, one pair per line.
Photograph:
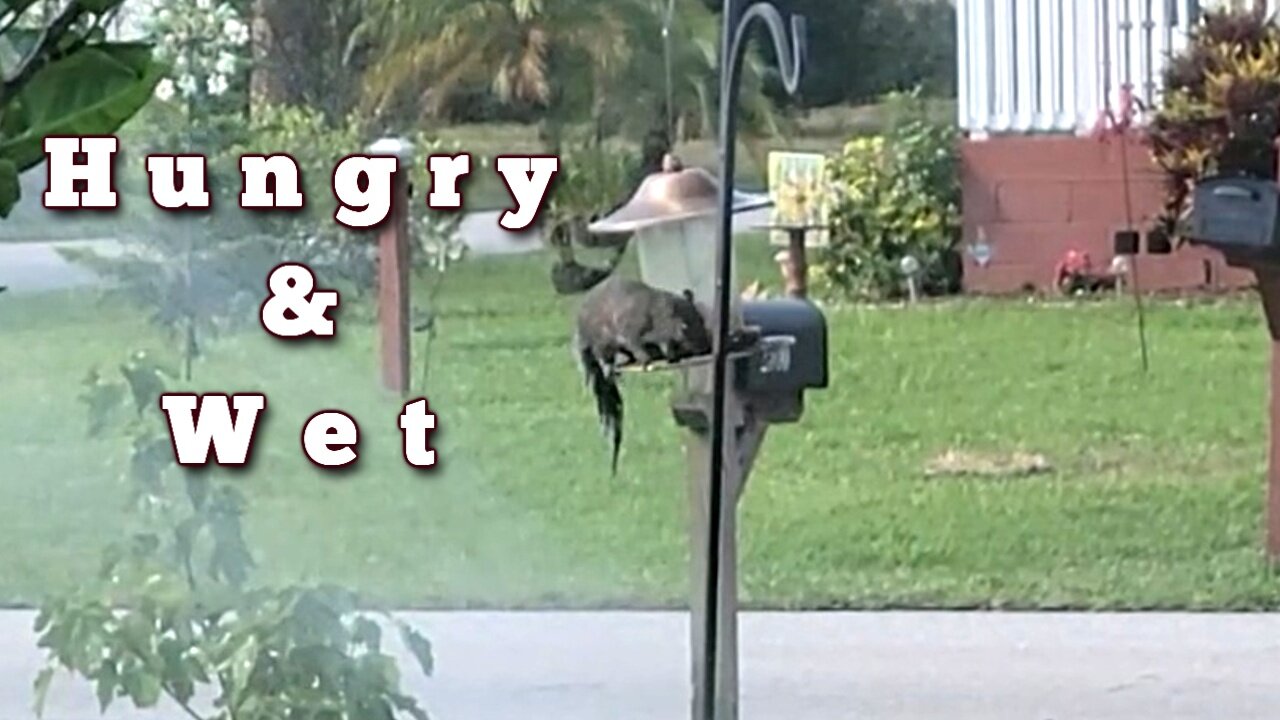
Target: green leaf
102, 398
150, 458
419, 646
367, 633
108, 683
137, 634
409, 705
146, 380
143, 687
241, 664
42, 689
10, 189
44, 617
90, 92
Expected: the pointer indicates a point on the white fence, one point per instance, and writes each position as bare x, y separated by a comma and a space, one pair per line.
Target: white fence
1051, 65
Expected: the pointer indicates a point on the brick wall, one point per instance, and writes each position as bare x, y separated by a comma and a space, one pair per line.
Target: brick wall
1037, 197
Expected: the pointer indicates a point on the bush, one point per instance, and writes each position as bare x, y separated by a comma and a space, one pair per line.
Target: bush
895, 195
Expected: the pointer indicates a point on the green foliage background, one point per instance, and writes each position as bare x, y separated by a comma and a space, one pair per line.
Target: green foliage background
895, 195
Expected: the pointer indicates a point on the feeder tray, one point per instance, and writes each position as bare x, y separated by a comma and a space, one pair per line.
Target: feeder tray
743, 343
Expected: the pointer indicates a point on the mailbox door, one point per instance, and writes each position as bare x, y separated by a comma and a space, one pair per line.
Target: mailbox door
807, 367
1235, 213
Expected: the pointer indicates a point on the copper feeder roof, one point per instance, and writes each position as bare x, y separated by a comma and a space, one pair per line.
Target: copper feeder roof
672, 195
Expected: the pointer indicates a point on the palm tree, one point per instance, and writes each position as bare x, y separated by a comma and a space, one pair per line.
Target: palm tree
599, 62
559, 56
576, 60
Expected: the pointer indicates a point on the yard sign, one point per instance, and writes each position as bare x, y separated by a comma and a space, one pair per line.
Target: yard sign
800, 191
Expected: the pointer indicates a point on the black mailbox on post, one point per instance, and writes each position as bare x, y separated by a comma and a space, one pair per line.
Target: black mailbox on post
1237, 214
792, 356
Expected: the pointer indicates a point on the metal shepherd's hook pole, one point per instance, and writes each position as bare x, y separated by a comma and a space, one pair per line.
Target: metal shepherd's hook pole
733, 44
667, 20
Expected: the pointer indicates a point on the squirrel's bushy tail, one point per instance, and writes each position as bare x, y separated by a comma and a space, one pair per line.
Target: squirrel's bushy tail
604, 386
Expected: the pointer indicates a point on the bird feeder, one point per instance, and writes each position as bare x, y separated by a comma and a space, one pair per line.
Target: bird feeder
393, 270
777, 350
673, 217
725, 417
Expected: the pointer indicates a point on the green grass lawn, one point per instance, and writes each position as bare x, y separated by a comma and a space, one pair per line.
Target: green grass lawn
1155, 499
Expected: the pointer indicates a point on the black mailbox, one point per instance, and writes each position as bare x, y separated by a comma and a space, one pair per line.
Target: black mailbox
788, 340
1236, 213
793, 357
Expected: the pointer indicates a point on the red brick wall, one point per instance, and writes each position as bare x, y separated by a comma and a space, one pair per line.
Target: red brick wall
1039, 196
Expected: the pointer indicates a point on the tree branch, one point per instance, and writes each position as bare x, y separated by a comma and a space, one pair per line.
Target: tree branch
186, 707
44, 50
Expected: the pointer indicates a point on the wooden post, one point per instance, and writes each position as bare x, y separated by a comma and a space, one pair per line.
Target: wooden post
794, 263
393, 288
743, 444
798, 287
1269, 288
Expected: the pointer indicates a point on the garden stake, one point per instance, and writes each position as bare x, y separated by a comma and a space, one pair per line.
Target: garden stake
1110, 125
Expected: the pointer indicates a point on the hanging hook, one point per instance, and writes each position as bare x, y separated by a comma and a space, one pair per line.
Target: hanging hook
791, 50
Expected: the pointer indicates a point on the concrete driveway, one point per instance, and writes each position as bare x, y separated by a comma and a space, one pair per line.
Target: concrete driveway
808, 666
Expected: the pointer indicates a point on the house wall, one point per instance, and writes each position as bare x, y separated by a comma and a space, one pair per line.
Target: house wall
1056, 65
1036, 197
1035, 77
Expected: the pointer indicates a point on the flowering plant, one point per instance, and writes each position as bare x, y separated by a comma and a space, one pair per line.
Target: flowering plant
204, 42
896, 196
1220, 112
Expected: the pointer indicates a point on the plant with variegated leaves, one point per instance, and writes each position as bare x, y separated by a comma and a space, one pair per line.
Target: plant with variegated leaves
1220, 112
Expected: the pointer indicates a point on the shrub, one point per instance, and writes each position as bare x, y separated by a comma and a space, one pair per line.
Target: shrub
594, 179
895, 195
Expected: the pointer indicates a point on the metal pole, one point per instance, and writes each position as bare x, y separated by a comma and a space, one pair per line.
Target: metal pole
666, 52
790, 52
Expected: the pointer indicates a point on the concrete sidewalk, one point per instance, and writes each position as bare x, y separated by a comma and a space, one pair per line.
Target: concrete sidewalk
808, 666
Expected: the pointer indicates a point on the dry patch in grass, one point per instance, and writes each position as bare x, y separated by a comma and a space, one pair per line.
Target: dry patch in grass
963, 463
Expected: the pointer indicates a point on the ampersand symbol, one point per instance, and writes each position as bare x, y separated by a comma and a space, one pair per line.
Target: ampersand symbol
294, 308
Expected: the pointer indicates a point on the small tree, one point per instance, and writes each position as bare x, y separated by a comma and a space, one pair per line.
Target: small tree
171, 613
198, 274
